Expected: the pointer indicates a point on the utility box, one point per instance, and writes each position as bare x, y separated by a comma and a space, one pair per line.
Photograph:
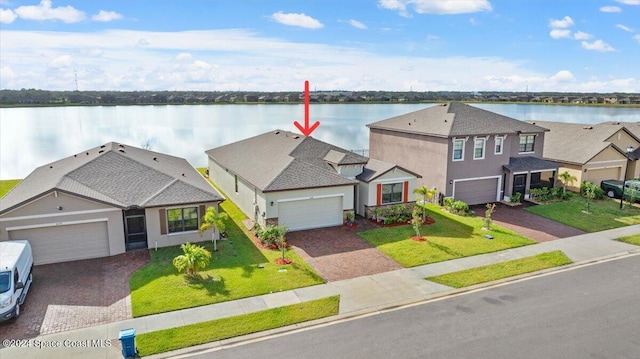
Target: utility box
127, 338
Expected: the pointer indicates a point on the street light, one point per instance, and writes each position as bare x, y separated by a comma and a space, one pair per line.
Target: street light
629, 150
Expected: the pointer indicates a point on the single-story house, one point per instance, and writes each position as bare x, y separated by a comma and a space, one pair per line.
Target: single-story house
105, 201
467, 153
592, 152
281, 177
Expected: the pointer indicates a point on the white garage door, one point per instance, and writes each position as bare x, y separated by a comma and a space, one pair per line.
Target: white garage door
67, 242
476, 191
598, 175
310, 213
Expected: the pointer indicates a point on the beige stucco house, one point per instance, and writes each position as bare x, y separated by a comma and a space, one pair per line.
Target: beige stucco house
467, 153
281, 177
105, 201
593, 153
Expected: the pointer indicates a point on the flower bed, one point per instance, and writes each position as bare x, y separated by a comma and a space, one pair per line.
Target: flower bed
426, 222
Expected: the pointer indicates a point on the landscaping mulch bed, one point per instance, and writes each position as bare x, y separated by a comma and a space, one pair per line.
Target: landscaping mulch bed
281, 261
426, 222
419, 239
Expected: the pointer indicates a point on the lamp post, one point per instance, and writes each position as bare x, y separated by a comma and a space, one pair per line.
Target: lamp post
626, 155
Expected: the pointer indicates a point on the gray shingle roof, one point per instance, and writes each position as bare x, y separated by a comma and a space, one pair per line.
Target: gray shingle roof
576, 143
282, 160
118, 175
529, 163
455, 119
376, 168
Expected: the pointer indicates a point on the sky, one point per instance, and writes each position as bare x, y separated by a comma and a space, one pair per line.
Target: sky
353, 45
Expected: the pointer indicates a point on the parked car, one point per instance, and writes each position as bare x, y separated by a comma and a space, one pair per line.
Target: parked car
16, 264
613, 189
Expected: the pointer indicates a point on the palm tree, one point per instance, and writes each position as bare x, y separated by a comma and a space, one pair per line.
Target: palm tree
279, 232
193, 259
566, 178
214, 220
426, 193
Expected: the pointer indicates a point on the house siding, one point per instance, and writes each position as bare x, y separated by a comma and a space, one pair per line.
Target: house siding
624, 141
51, 201
155, 237
247, 194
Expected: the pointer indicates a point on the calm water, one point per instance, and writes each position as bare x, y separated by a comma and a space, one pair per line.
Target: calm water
30, 137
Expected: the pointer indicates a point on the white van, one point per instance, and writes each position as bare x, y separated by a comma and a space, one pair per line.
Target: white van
16, 263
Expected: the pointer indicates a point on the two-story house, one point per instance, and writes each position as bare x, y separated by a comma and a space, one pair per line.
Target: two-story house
467, 153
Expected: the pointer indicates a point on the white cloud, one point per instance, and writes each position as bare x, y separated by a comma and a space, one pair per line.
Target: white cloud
142, 43
625, 28
562, 23
610, 9
184, 56
629, 2
357, 24
563, 76
106, 16
474, 22
61, 62
7, 16
597, 45
44, 11
559, 33
579, 35
637, 37
295, 19
440, 7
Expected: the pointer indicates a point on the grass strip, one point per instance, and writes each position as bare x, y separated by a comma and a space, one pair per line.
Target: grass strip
506, 269
634, 239
219, 329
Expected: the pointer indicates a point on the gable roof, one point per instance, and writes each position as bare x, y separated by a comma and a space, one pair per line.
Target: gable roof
119, 175
282, 160
578, 143
455, 119
376, 168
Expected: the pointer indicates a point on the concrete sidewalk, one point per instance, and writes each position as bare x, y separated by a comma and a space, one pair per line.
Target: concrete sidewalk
357, 295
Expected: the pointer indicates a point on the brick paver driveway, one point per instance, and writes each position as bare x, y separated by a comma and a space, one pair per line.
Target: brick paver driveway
337, 253
77, 294
528, 224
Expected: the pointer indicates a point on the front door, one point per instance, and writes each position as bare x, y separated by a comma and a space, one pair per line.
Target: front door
135, 229
519, 183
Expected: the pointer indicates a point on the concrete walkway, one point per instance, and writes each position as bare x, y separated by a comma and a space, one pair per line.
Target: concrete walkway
358, 295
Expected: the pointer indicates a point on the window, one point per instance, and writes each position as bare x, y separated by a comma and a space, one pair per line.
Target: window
458, 150
182, 219
5, 281
478, 148
499, 143
236, 182
391, 193
526, 143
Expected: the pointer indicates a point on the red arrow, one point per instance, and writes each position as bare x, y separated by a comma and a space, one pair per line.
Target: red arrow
306, 130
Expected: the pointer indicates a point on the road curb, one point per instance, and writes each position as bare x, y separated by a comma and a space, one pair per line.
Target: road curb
380, 309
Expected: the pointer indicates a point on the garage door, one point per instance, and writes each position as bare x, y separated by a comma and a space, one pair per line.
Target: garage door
598, 175
476, 191
67, 242
310, 213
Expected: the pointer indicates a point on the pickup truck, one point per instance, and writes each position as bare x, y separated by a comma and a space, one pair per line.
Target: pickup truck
613, 189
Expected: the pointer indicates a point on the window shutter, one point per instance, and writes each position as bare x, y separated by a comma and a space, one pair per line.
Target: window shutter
379, 195
163, 221
202, 211
406, 191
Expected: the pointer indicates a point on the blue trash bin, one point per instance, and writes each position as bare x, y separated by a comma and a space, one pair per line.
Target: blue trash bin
127, 338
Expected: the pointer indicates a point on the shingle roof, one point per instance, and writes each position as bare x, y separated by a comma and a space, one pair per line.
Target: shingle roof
576, 143
455, 119
376, 168
119, 175
529, 163
283, 160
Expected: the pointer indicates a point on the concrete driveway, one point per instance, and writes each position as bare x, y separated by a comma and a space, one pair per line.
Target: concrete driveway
528, 224
72, 295
337, 253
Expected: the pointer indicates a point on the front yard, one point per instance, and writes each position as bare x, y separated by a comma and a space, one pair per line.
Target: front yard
450, 237
604, 214
233, 273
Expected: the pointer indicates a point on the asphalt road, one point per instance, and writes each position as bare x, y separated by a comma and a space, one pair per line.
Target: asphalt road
589, 312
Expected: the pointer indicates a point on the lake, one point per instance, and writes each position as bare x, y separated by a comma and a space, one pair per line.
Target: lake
33, 136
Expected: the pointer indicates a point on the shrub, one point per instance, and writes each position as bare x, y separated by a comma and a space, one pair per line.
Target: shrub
447, 202
515, 198
459, 207
541, 194
585, 186
193, 259
268, 235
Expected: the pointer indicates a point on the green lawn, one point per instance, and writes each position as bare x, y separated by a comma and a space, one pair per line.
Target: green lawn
634, 239
200, 333
506, 269
7, 185
605, 214
232, 274
448, 238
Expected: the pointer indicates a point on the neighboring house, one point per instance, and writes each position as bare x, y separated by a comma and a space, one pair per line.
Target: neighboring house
593, 152
467, 153
105, 201
281, 177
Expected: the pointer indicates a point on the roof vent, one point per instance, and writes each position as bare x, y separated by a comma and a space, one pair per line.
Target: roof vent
533, 123
615, 123
409, 123
87, 153
277, 132
103, 146
587, 128
155, 159
101, 151
296, 137
444, 104
50, 166
75, 155
183, 175
121, 150
121, 145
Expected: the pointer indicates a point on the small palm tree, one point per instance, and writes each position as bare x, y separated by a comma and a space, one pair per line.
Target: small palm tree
215, 220
279, 232
193, 259
426, 193
566, 178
